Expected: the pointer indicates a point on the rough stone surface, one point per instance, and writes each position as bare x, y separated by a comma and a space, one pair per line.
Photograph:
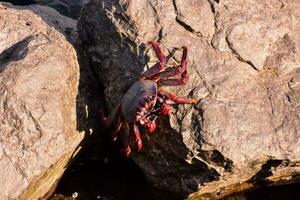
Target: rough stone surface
65, 25
244, 71
38, 87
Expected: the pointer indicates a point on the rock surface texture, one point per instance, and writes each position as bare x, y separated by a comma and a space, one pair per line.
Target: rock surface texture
244, 71
38, 87
65, 25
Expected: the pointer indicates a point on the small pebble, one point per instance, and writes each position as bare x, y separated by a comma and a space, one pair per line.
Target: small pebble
75, 195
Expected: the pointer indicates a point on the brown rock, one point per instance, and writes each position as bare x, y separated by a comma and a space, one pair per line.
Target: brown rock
38, 85
65, 25
244, 72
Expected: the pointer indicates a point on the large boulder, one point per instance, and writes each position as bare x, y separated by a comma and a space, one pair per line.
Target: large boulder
39, 76
244, 72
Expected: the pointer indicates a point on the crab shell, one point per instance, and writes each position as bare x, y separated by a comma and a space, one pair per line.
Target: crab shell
139, 99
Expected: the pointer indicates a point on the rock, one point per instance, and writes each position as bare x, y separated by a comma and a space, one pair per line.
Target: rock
244, 71
39, 76
65, 25
70, 8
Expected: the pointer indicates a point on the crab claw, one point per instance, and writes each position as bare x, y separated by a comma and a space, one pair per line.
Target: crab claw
140, 145
138, 137
151, 126
165, 110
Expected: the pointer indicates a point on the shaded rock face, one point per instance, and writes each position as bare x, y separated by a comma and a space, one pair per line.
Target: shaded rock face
38, 85
244, 71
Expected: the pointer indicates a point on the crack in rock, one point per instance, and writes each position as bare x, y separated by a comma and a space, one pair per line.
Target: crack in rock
157, 21
213, 10
237, 55
260, 178
182, 23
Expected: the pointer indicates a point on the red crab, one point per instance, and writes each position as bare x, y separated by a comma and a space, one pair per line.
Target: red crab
146, 99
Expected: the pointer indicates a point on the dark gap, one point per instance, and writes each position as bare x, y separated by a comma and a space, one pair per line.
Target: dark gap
21, 2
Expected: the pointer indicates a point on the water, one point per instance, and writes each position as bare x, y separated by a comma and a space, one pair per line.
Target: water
69, 9
21, 2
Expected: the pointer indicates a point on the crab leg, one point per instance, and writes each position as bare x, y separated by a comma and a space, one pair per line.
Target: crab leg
114, 135
158, 66
138, 136
107, 121
175, 82
169, 72
126, 139
175, 99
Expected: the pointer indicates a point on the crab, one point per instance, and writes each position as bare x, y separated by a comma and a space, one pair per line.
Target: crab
146, 99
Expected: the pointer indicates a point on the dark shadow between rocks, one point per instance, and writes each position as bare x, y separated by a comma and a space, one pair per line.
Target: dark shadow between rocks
279, 192
166, 150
